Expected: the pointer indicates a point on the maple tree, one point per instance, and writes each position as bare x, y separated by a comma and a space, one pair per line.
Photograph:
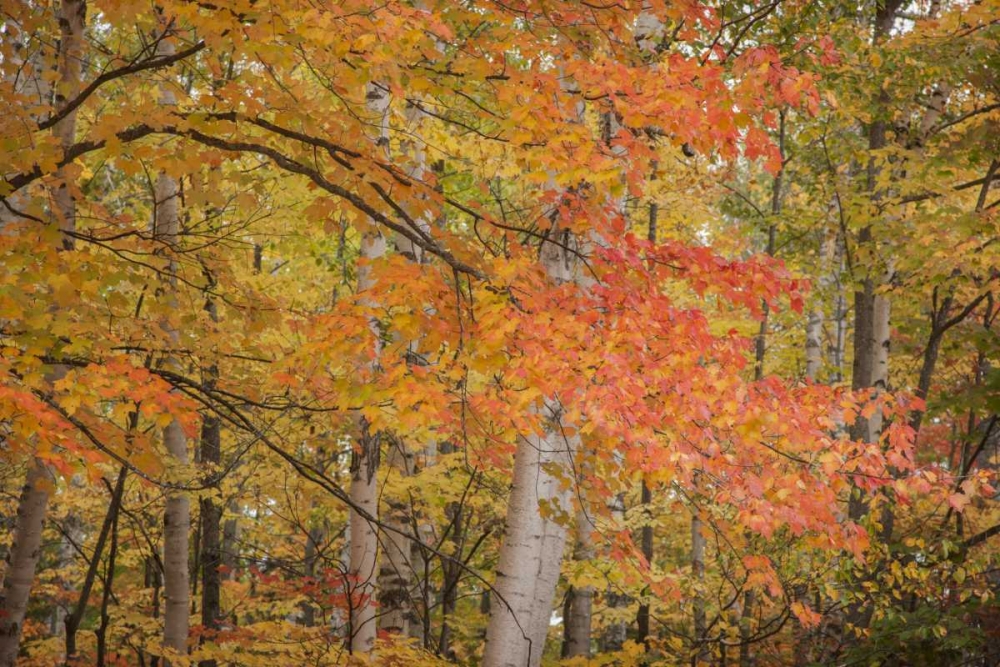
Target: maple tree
498, 333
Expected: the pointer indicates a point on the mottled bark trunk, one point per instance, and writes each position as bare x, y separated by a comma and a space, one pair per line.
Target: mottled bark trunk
72, 19
398, 574
362, 568
176, 529
817, 316
532, 549
871, 304
421, 560
22, 559
177, 512
646, 493
363, 533
531, 554
871, 361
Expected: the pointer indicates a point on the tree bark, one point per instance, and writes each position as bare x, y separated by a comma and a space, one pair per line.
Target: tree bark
643, 616
177, 513
109, 578
530, 555
616, 631
580, 600
363, 567
363, 561
814, 327
450, 571
314, 536
532, 549
698, 603
211, 518
362, 570
396, 572
871, 308
22, 559
646, 494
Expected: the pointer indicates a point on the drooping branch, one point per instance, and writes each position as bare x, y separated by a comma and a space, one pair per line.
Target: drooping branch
155, 62
357, 201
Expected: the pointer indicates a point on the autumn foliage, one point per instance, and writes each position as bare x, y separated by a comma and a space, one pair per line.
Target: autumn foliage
501, 333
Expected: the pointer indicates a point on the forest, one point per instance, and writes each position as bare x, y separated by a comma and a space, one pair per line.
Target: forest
499, 332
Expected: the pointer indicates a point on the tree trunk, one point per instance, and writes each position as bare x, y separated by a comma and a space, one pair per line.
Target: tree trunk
363, 533
362, 570
109, 578
616, 631
397, 568
176, 528
531, 554
71, 24
177, 513
871, 308
421, 560
25, 549
580, 600
838, 345
315, 536
22, 560
211, 518
642, 618
450, 571
532, 549
646, 497
402, 555
698, 603
814, 327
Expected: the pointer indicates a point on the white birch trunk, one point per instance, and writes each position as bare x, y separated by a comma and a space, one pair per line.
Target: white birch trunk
22, 560
817, 316
25, 549
363, 533
177, 512
363, 564
397, 573
530, 557
532, 550
838, 346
